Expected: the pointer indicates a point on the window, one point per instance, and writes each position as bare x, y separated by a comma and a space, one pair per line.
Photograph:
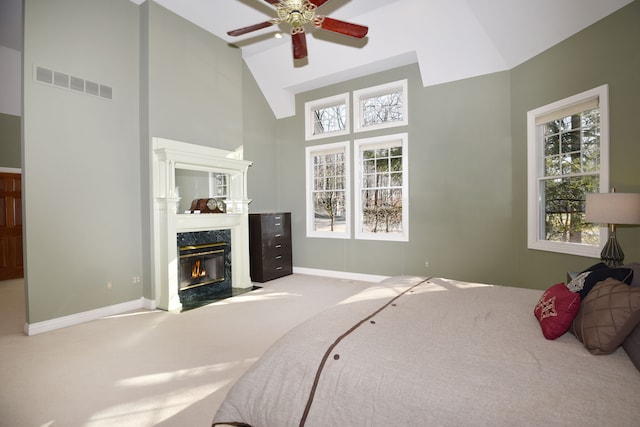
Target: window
568, 155
327, 117
328, 191
381, 188
380, 106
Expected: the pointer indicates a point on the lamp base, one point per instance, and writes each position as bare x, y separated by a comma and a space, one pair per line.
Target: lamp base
612, 254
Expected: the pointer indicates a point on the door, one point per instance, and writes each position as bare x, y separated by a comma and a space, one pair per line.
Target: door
11, 266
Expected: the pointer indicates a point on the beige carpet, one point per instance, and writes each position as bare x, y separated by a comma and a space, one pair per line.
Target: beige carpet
148, 368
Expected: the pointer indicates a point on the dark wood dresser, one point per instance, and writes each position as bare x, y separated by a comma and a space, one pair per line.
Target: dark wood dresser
270, 246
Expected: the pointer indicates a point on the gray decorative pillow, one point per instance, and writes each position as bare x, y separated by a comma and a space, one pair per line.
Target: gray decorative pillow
632, 343
635, 267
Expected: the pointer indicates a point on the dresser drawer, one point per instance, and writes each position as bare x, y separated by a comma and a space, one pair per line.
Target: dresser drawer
274, 225
276, 242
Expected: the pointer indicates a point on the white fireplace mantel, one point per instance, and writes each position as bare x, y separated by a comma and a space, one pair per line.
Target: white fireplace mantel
168, 156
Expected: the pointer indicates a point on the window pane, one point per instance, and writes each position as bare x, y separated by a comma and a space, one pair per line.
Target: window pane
382, 165
552, 166
369, 166
572, 144
330, 119
329, 211
327, 117
382, 191
396, 179
552, 145
382, 211
382, 109
565, 208
329, 192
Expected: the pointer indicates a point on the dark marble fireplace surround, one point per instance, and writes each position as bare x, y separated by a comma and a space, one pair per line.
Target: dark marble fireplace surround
200, 295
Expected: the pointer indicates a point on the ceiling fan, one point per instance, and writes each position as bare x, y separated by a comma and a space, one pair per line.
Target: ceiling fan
300, 12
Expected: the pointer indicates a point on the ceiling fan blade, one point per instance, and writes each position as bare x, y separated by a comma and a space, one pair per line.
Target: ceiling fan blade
245, 30
318, 3
299, 40
342, 27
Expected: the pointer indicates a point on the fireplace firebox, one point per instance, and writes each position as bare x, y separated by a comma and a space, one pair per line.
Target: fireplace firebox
201, 265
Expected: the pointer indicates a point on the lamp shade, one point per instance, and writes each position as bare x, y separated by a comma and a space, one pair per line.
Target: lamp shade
613, 208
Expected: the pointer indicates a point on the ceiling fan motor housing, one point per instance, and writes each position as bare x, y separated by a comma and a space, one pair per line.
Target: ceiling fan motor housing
296, 12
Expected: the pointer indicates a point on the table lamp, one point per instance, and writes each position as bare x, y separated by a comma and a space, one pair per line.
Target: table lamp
613, 209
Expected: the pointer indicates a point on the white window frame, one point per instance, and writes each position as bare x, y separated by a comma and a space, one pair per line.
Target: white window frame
315, 150
380, 142
311, 106
362, 94
535, 157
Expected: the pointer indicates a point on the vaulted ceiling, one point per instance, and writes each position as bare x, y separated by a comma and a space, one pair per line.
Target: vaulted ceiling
449, 39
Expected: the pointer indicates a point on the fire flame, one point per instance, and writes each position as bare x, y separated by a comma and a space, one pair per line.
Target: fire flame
197, 270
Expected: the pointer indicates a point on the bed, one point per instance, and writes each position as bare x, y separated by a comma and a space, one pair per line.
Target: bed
433, 352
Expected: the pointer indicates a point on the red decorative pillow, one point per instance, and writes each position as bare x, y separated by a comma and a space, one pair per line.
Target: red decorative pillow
556, 309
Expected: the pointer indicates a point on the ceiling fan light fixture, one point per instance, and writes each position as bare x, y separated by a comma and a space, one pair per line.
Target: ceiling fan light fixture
297, 13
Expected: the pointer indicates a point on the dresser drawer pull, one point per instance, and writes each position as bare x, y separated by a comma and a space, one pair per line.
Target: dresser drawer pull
277, 217
279, 257
278, 246
278, 224
278, 268
278, 235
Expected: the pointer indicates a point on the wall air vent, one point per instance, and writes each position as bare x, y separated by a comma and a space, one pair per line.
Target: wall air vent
44, 75
92, 88
61, 79
105, 91
76, 84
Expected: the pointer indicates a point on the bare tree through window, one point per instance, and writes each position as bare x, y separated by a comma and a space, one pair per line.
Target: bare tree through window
382, 109
329, 119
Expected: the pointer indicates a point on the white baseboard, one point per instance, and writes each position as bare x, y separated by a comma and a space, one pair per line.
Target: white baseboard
148, 304
10, 170
340, 274
86, 316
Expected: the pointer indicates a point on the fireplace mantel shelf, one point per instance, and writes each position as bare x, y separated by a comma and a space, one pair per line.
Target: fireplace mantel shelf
201, 222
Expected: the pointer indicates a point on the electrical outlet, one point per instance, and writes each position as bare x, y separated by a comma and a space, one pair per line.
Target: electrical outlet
426, 264
136, 280
109, 285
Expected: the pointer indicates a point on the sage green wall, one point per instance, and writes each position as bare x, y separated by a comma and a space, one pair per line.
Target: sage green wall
81, 158
261, 147
468, 163
194, 83
606, 52
10, 141
459, 187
